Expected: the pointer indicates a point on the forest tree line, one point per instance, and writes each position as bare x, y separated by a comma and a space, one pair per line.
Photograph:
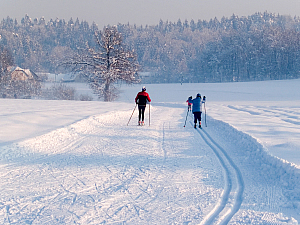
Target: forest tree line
262, 46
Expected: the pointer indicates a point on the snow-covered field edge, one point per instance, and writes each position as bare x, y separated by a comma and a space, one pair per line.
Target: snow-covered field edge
285, 173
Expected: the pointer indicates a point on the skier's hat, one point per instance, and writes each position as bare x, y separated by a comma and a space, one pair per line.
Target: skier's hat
199, 95
144, 88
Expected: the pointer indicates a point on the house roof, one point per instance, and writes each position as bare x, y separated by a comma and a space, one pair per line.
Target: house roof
22, 74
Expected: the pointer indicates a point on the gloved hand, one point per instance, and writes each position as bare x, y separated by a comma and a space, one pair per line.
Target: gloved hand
204, 98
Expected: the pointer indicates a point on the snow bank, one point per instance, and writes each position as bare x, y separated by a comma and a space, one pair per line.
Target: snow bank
285, 173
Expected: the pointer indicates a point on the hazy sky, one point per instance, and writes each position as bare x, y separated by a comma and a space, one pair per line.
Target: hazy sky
142, 12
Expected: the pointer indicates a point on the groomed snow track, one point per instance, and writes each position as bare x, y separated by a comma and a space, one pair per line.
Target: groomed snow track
95, 171
232, 196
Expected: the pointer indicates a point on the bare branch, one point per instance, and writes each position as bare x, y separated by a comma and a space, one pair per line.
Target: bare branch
107, 64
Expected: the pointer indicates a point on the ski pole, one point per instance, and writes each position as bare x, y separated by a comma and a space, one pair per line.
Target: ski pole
205, 114
149, 113
186, 117
131, 114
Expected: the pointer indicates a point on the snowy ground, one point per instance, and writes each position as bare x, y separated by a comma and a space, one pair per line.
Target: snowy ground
68, 162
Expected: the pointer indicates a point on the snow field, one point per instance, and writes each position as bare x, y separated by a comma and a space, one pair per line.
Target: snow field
65, 162
274, 124
98, 171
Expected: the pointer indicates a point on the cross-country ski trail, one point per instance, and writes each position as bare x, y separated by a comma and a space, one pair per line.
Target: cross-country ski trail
101, 171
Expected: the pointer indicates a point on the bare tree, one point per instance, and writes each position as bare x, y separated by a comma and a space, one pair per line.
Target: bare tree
107, 63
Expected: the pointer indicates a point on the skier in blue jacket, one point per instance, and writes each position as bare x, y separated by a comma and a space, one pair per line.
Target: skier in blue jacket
197, 108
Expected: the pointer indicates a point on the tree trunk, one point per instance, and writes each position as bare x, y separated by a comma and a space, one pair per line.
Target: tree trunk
106, 92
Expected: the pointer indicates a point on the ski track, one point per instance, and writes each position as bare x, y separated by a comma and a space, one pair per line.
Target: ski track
230, 200
100, 171
281, 113
236, 176
61, 167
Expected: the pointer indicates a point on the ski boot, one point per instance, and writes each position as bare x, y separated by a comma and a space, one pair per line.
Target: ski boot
195, 126
140, 123
143, 123
200, 124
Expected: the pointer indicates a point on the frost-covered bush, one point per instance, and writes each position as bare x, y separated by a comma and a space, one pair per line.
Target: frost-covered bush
59, 92
85, 97
20, 88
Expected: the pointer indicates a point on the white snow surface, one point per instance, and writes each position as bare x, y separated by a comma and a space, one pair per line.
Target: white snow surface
72, 162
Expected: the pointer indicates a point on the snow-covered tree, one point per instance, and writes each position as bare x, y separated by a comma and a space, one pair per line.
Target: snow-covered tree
107, 63
6, 60
10, 86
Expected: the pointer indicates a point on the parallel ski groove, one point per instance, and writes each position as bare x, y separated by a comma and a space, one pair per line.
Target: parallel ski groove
240, 183
227, 164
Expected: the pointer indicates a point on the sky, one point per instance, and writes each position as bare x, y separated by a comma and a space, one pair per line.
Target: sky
142, 12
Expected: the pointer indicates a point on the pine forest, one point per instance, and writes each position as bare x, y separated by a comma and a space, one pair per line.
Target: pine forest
262, 46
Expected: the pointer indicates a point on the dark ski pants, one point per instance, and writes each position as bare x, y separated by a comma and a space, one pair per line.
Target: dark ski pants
141, 112
197, 116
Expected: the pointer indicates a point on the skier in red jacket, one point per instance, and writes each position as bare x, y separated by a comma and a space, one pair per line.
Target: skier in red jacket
189, 104
141, 99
